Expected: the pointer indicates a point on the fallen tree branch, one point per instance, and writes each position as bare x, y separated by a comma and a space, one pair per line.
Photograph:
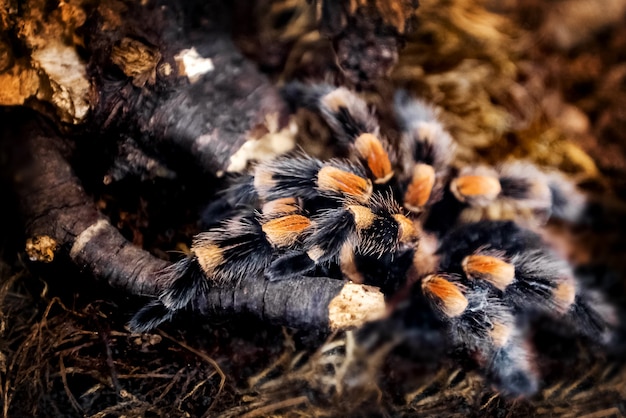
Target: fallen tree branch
59, 215
170, 75
301, 302
165, 73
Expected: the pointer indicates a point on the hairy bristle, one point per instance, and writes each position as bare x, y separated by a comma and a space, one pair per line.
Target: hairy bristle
407, 231
287, 176
489, 268
434, 146
412, 111
347, 115
336, 99
285, 231
209, 257
501, 333
363, 217
149, 317
427, 131
568, 202
382, 204
541, 194
334, 179
315, 253
525, 186
181, 282
425, 259
476, 189
289, 265
447, 296
419, 190
564, 294
371, 149
283, 206
263, 178
512, 369
380, 237
348, 264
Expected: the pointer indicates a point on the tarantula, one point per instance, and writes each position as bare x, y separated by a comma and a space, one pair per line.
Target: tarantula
461, 242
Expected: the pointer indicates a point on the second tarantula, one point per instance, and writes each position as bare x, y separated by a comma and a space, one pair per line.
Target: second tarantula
460, 242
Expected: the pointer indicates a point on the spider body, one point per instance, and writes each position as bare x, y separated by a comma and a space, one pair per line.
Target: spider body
454, 249
426, 151
340, 234
309, 178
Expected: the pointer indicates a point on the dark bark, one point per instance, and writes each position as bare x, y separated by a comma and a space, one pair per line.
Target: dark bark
54, 204
302, 302
142, 89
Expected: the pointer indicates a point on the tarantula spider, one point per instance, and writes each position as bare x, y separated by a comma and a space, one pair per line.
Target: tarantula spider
460, 239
